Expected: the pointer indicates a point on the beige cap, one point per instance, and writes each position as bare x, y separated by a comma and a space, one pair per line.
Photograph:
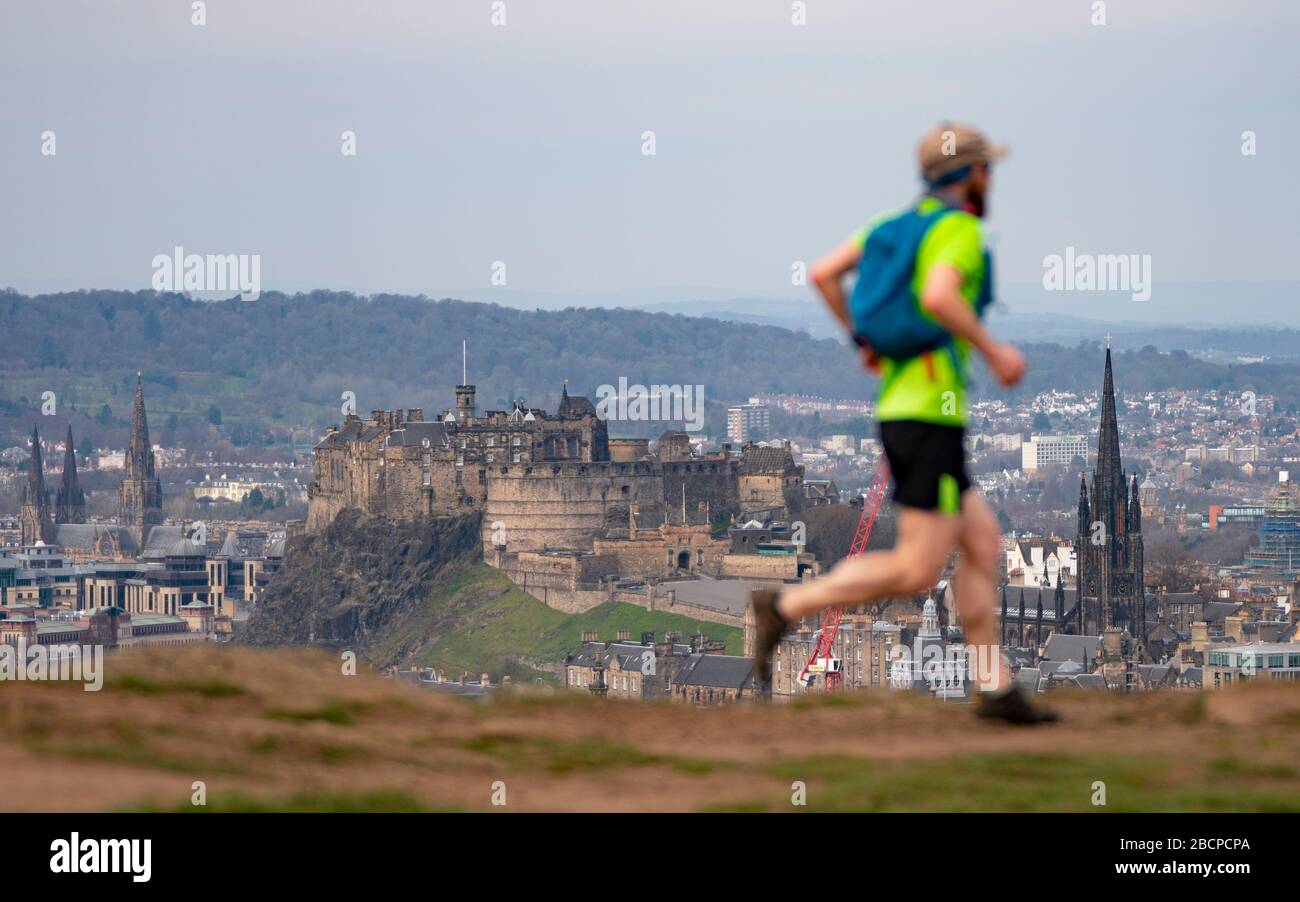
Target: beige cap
951, 145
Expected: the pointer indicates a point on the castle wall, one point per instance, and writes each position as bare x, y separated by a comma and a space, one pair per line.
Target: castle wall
653, 599
567, 582
761, 566
564, 505
710, 484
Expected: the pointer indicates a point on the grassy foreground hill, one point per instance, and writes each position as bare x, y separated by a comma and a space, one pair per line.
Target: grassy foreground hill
286, 730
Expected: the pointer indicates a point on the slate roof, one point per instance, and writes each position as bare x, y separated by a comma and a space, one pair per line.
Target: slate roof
414, 434
716, 671
1032, 595
755, 459
85, 535
230, 547
575, 406
1088, 681
161, 537
1215, 611
629, 654
1064, 647
350, 430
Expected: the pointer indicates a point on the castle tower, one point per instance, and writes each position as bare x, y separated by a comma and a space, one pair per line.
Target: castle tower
139, 500
34, 520
1111, 582
70, 505
465, 404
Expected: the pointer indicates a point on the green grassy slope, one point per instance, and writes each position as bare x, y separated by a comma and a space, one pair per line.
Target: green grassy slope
501, 629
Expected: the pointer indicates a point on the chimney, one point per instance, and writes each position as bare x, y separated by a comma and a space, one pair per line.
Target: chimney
1200, 633
483, 680
624, 635
1232, 626
589, 636
647, 637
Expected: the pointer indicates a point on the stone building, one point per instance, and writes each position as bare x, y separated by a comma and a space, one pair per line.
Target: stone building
396, 464
865, 644
696, 673
65, 524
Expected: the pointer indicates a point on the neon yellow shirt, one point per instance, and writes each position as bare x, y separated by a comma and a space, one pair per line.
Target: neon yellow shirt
931, 388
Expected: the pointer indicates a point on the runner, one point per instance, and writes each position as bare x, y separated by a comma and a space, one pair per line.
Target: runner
924, 283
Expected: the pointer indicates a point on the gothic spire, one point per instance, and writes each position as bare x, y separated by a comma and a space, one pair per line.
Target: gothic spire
1108, 461
139, 497
35, 491
70, 506
139, 454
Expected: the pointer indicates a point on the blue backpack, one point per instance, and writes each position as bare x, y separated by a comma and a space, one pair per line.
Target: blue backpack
886, 311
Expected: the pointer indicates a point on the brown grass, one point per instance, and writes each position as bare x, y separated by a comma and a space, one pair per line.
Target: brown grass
285, 730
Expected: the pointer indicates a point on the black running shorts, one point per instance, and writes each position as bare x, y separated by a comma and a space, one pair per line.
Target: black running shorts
928, 464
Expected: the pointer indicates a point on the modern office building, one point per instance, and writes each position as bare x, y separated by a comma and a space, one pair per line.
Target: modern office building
1048, 450
748, 422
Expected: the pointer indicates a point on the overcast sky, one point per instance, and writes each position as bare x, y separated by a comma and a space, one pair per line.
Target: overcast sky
523, 143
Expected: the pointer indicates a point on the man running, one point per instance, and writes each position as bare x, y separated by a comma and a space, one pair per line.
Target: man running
921, 409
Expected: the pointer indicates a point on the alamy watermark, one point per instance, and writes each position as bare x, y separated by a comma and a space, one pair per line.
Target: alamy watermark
638, 402
946, 666
64, 663
180, 271
1098, 272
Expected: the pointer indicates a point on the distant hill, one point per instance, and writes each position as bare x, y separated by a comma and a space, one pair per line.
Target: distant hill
273, 371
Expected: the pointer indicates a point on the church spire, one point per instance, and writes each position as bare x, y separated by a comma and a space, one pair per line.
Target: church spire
70, 506
139, 498
1108, 461
34, 516
35, 491
139, 455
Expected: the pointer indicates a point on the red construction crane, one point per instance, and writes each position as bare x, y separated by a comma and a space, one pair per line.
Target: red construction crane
823, 660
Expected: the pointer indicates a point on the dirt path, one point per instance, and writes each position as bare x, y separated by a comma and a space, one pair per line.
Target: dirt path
285, 730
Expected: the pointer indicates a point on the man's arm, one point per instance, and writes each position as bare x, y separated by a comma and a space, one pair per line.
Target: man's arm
942, 299
828, 275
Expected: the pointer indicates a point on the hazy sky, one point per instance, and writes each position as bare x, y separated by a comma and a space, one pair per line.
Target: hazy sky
523, 143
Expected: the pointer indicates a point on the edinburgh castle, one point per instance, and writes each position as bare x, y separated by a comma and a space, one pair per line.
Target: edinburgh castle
562, 503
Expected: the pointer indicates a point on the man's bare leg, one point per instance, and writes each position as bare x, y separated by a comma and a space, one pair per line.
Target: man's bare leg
913, 565
976, 586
